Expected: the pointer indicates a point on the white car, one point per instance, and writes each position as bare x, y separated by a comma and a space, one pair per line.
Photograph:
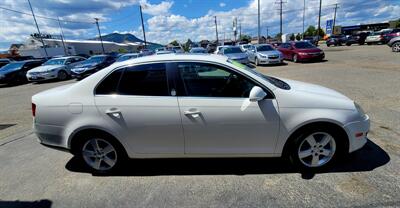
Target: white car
190, 106
56, 68
218, 49
245, 47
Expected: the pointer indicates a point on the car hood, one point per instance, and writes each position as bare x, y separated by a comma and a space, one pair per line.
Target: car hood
236, 55
45, 68
86, 65
266, 53
305, 95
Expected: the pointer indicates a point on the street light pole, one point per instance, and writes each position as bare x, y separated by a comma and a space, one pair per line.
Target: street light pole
259, 27
37, 26
319, 20
62, 36
144, 33
101, 39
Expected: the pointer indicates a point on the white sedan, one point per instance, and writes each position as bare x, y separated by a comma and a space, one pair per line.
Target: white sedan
174, 106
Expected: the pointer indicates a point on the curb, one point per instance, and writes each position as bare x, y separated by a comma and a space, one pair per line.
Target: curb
15, 137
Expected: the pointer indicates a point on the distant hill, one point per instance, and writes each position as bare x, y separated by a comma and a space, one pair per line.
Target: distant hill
124, 38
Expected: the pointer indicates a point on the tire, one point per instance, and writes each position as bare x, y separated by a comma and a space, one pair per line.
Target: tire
100, 153
62, 75
295, 59
369, 43
256, 61
348, 44
396, 47
317, 148
328, 45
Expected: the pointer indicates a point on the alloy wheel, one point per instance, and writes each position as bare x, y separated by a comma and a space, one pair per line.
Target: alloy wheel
62, 75
317, 149
396, 47
99, 154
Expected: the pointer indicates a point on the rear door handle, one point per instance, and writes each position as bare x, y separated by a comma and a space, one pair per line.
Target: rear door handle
114, 112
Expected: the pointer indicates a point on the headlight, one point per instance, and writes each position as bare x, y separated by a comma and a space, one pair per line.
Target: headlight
360, 110
302, 54
262, 56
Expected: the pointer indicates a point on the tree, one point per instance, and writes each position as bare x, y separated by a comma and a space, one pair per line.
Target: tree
174, 43
186, 46
292, 37
298, 36
278, 36
310, 31
245, 38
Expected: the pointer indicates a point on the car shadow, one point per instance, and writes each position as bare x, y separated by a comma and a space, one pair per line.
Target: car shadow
368, 158
313, 62
44, 203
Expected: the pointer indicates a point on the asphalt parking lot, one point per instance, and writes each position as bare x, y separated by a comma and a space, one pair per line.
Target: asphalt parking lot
32, 175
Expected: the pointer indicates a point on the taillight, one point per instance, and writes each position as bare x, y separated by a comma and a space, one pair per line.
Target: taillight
33, 109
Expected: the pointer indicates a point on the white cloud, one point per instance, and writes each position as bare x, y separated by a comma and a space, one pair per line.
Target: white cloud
156, 9
222, 4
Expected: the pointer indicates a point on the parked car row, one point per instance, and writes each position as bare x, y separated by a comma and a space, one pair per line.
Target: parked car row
57, 68
378, 37
258, 54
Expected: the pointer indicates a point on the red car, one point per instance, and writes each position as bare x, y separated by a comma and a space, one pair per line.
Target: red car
301, 51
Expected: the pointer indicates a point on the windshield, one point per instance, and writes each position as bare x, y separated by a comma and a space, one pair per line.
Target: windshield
304, 45
94, 59
229, 50
55, 62
11, 66
126, 57
265, 48
274, 81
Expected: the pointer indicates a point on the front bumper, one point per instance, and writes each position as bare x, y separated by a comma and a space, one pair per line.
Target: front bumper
311, 57
266, 60
354, 130
41, 76
82, 74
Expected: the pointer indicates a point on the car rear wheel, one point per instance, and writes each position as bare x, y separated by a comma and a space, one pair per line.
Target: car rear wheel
62, 75
101, 154
316, 149
295, 59
396, 47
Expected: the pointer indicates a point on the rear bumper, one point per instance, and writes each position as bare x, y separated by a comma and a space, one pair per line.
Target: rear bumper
50, 135
354, 130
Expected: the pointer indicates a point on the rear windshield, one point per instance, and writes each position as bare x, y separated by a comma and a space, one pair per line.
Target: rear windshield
229, 50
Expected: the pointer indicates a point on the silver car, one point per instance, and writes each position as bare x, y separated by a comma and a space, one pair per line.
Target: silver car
234, 53
264, 54
56, 68
395, 44
181, 106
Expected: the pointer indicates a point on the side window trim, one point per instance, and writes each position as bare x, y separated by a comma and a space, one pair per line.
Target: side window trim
180, 83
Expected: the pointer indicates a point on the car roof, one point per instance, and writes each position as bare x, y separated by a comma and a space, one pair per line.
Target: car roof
176, 57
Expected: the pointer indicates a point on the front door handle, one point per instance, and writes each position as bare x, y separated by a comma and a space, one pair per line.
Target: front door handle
194, 113
114, 112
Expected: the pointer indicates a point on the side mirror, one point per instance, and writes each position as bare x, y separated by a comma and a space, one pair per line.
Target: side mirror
257, 94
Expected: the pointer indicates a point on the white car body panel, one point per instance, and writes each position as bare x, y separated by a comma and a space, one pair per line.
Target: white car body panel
228, 127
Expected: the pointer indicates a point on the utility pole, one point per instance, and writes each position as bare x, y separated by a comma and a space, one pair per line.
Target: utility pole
334, 19
235, 29
304, 15
216, 29
37, 26
267, 31
62, 36
144, 32
319, 20
259, 27
280, 2
98, 29
240, 30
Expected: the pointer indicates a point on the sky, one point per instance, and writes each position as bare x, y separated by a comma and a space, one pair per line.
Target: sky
168, 20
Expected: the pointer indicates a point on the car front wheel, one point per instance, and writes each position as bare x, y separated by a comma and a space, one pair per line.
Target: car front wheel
295, 59
316, 149
62, 75
256, 61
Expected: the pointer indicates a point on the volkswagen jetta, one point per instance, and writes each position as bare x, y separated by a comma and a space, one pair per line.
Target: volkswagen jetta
173, 106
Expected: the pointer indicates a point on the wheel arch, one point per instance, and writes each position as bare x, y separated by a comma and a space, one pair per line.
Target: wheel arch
315, 124
73, 141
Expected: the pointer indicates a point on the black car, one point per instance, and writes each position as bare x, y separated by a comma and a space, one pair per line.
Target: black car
392, 34
336, 40
91, 65
358, 38
15, 72
4, 62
